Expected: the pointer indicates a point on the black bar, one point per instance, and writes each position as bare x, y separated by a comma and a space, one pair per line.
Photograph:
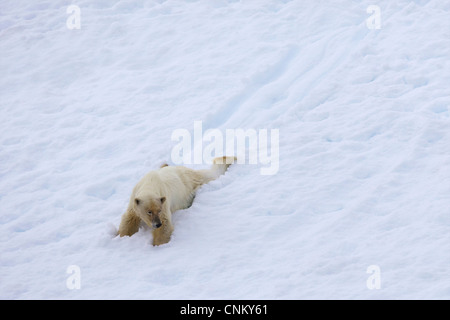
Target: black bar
223, 309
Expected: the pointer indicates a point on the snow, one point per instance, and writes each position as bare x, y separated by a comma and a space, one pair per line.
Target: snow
364, 158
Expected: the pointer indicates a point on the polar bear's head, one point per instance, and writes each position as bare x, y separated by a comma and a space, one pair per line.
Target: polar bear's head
149, 210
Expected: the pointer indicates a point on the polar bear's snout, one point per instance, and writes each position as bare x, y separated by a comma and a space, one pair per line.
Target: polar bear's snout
155, 219
156, 225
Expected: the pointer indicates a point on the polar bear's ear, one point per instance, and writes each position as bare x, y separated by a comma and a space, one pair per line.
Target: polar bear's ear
163, 199
137, 201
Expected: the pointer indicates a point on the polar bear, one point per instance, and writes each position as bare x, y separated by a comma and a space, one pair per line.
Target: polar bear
161, 192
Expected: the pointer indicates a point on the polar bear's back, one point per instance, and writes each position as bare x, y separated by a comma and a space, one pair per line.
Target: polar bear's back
178, 184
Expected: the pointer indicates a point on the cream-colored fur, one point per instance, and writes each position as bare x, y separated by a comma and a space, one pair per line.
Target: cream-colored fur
162, 192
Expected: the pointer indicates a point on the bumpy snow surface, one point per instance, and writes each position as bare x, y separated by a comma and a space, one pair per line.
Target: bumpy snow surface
358, 206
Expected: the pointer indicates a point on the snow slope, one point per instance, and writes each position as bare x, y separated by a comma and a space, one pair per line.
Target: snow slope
363, 116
